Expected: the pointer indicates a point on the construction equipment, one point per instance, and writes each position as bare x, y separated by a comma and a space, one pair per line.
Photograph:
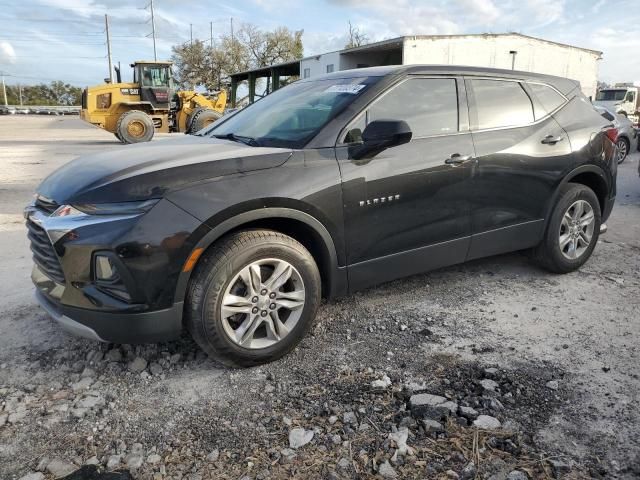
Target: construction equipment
135, 111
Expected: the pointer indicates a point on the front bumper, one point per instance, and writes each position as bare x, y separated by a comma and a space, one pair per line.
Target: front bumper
148, 252
146, 327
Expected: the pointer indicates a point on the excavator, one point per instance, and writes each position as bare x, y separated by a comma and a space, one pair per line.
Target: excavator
135, 111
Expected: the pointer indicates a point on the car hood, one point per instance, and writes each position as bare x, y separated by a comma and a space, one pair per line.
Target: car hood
150, 170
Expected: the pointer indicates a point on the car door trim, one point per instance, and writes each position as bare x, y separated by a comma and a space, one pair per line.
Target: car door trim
409, 262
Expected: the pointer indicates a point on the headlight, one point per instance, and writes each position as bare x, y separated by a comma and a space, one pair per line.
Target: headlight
66, 211
121, 208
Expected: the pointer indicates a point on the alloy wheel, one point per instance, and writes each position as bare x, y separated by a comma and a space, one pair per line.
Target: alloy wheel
263, 303
622, 150
576, 229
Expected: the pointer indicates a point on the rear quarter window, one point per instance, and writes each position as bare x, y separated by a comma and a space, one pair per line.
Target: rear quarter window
546, 99
499, 103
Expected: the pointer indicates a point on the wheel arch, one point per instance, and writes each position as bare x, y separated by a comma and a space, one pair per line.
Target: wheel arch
299, 225
591, 176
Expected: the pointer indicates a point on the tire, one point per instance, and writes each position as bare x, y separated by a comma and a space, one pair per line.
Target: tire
201, 118
220, 274
135, 126
623, 149
549, 253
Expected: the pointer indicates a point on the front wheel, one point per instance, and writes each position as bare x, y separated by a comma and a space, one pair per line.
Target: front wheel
252, 298
202, 118
572, 231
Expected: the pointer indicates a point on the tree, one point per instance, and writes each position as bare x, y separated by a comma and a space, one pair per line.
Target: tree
210, 66
192, 62
56, 93
356, 37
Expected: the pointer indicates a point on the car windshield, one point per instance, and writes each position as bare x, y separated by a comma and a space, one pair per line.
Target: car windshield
610, 95
292, 116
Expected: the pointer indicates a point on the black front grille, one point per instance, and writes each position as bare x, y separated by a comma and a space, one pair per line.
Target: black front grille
43, 253
46, 205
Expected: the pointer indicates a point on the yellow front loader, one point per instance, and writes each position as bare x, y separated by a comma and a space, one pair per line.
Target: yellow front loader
135, 111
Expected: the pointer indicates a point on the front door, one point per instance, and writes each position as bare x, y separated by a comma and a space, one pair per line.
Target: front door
406, 209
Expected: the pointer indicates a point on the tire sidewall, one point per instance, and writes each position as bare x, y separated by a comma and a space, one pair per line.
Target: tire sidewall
199, 117
573, 193
218, 281
628, 145
131, 116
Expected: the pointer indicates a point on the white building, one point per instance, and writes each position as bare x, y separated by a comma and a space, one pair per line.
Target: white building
485, 50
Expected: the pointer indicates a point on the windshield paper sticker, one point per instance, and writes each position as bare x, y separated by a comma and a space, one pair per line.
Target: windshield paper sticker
352, 89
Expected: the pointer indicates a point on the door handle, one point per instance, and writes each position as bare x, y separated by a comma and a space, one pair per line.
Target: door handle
457, 159
551, 140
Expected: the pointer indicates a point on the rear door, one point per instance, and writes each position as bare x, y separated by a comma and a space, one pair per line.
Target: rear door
522, 153
407, 209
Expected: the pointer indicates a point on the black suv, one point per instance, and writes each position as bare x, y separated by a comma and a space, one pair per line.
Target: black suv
324, 187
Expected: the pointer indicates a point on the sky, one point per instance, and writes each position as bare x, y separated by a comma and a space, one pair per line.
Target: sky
45, 40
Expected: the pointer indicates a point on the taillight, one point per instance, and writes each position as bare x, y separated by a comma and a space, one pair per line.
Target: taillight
612, 133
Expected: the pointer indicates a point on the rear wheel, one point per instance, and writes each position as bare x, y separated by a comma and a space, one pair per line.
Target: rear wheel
572, 232
252, 298
201, 118
623, 149
135, 126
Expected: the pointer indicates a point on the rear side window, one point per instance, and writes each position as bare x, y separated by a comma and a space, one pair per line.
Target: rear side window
546, 99
428, 105
500, 103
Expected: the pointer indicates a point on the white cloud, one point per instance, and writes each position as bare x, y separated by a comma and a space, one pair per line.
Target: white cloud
486, 10
543, 12
7, 53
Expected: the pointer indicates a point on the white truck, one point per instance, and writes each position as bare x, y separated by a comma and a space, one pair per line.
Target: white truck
621, 99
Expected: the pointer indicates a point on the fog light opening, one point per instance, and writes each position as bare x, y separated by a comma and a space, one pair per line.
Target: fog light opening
105, 270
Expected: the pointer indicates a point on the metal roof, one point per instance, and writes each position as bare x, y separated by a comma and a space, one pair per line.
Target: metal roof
285, 68
398, 41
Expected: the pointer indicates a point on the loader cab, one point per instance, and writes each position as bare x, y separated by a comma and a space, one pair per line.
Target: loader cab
156, 82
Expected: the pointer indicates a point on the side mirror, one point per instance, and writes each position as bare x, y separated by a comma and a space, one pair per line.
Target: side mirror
380, 135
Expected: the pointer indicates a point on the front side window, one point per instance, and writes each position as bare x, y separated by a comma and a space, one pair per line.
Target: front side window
293, 115
155, 76
307, 73
428, 105
330, 68
630, 97
499, 103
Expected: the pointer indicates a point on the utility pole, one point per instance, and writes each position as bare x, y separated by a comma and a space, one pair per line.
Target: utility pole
106, 28
20, 93
153, 32
211, 33
4, 90
191, 28
233, 46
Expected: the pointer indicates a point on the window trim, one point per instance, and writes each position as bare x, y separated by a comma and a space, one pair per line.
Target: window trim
460, 89
524, 85
532, 93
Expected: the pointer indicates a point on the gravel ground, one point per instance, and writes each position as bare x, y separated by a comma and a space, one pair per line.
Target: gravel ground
493, 369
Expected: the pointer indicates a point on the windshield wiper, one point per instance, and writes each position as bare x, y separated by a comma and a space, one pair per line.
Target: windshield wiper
252, 142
